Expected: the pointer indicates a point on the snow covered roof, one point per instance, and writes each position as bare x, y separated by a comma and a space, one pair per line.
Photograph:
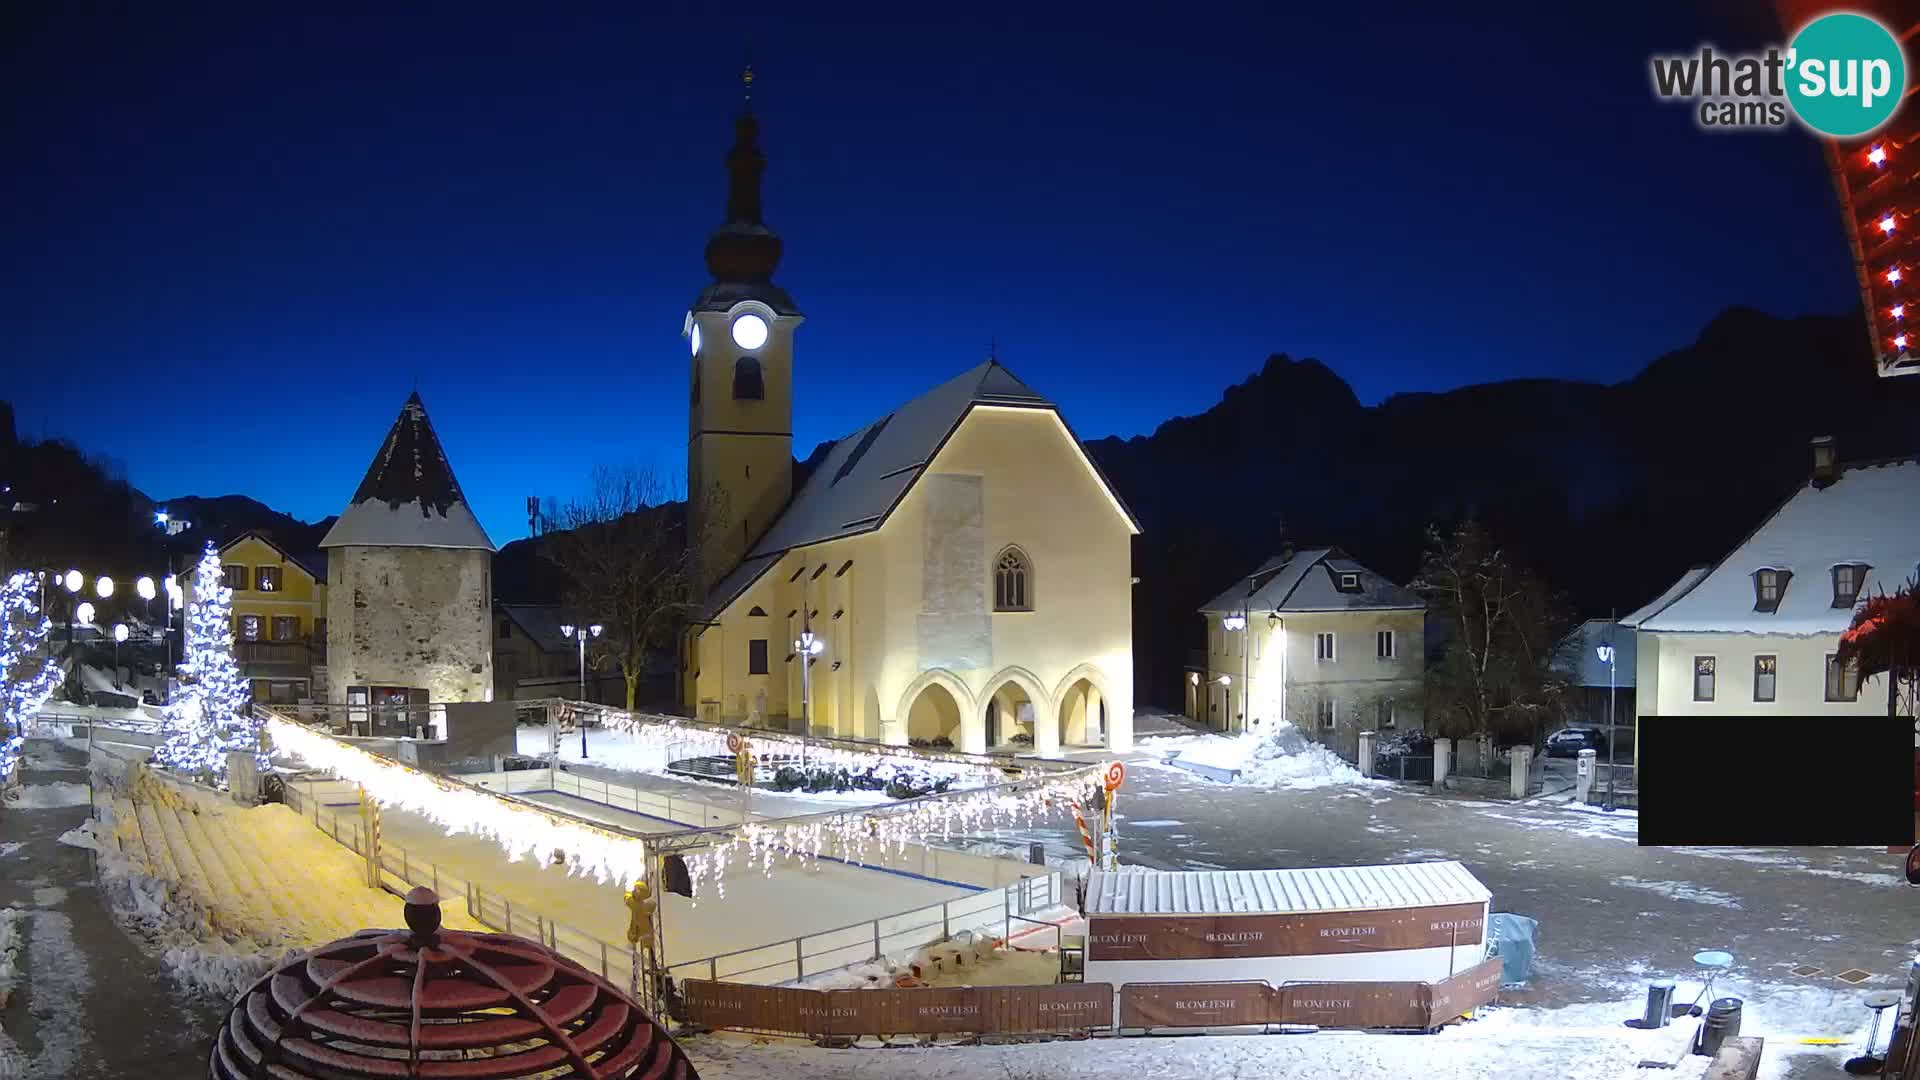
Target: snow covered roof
409, 497
1309, 581
1869, 515
313, 563
541, 623
1334, 888
1674, 592
1579, 656
865, 475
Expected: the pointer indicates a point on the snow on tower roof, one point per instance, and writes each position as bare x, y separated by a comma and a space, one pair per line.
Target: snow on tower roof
1869, 515
1336, 888
409, 497
866, 474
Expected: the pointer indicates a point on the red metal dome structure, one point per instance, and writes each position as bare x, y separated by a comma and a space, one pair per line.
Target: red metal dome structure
431, 1003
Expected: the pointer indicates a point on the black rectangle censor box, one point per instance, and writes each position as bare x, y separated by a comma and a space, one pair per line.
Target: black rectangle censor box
1776, 781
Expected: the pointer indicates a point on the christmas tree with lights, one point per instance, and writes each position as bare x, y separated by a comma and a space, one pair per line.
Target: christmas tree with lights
28, 675
211, 715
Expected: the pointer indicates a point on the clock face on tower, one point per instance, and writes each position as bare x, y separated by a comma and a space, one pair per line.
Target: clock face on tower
694, 339
750, 332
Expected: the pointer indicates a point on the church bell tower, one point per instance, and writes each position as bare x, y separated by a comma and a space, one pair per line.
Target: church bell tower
740, 332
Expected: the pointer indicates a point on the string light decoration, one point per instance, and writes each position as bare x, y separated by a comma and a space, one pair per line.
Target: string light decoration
872, 835
1878, 183
674, 735
210, 716
521, 830
28, 675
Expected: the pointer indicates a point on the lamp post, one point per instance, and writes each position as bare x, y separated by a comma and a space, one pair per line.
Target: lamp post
1238, 623
119, 635
581, 634
73, 581
809, 646
1606, 657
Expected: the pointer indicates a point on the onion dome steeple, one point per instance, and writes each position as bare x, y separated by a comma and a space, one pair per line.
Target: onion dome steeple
743, 252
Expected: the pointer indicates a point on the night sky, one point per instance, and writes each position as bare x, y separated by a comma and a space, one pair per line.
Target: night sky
232, 238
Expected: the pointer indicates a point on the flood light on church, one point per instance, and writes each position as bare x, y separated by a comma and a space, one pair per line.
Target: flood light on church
1886, 224
1877, 155
1893, 276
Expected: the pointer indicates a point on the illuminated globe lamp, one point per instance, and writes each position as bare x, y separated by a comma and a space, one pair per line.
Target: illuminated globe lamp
426, 1002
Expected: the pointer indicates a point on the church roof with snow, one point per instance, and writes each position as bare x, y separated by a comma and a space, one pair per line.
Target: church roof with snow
1312, 581
1868, 516
409, 497
865, 475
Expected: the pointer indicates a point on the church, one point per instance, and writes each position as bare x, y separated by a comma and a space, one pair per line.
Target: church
955, 573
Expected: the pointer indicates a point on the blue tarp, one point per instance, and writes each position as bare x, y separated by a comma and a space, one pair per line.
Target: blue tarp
1511, 937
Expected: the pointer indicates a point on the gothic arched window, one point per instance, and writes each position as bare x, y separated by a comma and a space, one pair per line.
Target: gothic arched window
747, 384
1012, 581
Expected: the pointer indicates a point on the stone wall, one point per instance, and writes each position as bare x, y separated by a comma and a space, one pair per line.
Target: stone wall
417, 617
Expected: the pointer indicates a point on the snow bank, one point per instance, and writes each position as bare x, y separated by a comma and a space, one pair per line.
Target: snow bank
1278, 756
48, 796
10, 919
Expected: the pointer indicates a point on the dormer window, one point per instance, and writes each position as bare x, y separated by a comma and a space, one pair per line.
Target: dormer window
1847, 579
1349, 582
1768, 587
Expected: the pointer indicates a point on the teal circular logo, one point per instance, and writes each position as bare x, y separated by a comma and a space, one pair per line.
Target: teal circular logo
1845, 74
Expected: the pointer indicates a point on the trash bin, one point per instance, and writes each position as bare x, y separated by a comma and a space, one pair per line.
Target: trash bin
1659, 1005
1511, 938
1722, 1023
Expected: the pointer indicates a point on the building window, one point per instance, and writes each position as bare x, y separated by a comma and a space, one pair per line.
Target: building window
506, 629
234, 577
1703, 678
1323, 646
757, 656
249, 628
747, 383
1846, 584
1012, 581
1350, 583
1383, 645
1327, 713
1386, 717
1768, 587
266, 578
320, 631
286, 627
1765, 672
1843, 681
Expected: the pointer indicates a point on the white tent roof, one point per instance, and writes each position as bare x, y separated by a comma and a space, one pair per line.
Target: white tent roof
1870, 514
1333, 888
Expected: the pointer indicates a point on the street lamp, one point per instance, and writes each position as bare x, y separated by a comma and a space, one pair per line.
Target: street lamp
72, 580
104, 586
1239, 623
581, 634
85, 613
809, 646
119, 635
1606, 657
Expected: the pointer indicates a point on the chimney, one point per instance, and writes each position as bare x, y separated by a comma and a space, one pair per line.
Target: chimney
1826, 466
1286, 552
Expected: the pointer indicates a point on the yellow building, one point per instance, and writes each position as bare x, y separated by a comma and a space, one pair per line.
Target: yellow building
1316, 640
279, 616
960, 565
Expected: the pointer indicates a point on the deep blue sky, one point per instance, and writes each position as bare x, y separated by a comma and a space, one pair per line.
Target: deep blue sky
232, 237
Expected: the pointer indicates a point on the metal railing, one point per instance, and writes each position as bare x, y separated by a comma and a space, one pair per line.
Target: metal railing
797, 958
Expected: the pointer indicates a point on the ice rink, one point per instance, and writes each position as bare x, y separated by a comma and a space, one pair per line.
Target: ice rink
755, 910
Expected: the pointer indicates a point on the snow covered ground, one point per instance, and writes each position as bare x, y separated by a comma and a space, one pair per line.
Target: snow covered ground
1277, 757
625, 752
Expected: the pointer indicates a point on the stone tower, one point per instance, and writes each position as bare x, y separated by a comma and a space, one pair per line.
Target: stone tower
410, 580
740, 418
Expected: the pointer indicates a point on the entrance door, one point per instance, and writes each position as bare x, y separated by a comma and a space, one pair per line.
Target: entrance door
993, 723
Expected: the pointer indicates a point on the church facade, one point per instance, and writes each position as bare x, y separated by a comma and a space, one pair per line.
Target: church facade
957, 572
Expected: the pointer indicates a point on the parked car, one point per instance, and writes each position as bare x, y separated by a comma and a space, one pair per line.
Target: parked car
1569, 741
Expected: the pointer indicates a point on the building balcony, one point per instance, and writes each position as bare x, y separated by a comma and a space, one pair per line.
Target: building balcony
265, 659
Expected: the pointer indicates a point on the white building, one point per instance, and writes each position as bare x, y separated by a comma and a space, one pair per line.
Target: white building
1316, 639
1756, 632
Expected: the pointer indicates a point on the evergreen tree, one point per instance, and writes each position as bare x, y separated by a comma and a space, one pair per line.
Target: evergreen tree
28, 675
212, 715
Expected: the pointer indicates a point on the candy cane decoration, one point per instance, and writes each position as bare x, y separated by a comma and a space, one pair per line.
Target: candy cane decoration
1086, 837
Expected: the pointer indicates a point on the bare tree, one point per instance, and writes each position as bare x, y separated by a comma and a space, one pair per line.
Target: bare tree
632, 567
1503, 627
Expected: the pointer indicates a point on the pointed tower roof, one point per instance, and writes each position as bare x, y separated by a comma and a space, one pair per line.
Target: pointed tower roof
409, 497
743, 252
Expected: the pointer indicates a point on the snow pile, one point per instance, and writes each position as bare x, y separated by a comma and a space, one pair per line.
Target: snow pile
10, 919
1277, 757
48, 796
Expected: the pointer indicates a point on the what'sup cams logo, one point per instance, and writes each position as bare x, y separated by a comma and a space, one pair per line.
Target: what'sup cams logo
1842, 75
